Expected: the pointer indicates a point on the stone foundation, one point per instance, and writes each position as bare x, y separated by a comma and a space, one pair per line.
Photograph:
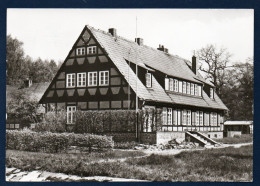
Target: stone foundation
213, 135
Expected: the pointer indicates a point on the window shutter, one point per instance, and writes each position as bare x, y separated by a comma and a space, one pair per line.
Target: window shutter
193, 118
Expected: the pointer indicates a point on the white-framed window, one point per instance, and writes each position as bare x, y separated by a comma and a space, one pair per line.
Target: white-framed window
169, 116
81, 79
166, 81
164, 116
188, 88
196, 90
174, 117
148, 78
80, 51
179, 117
192, 89
70, 80
211, 93
70, 114
176, 85
188, 117
206, 119
171, 84
213, 118
103, 78
184, 117
92, 79
199, 90
197, 121
201, 118
91, 50
184, 87
180, 86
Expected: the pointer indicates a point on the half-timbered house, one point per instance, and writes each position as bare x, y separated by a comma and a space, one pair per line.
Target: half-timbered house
106, 71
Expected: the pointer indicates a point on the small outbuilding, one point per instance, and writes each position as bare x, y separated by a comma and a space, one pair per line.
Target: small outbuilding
232, 128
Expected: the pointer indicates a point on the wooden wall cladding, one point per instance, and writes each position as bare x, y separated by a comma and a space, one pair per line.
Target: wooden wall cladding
69, 62
86, 35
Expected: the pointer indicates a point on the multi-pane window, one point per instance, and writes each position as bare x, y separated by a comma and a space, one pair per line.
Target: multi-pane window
196, 90
188, 88
70, 114
166, 83
103, 78
81, 79
206, 119
169, 116
211, 93
213, 118
199, 90
80, 51
184, 87
171, 84
192, 89
180, 86
148, 78
188, 117
164, 116
197, 118
184, 117
174, 117
176, 85
70, 81
92, 50
179, 117
92, 79
201, 118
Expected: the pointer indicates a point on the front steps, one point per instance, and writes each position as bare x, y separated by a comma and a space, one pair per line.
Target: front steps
200, 138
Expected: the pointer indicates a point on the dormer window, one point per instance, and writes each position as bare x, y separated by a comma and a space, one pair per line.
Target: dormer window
199, 90
92, 50
192, 89
80, 51
148, 78
166, 81
171, 84
211, 93
176, 84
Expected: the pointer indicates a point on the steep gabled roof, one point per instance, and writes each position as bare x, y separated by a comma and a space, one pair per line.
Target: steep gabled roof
120, 49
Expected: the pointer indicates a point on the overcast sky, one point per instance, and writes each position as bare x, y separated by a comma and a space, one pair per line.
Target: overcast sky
50, 33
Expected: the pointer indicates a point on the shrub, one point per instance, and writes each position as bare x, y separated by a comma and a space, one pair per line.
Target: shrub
116, 121
54, 142
52, 122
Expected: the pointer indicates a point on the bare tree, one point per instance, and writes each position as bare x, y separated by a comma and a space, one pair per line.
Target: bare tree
213, 62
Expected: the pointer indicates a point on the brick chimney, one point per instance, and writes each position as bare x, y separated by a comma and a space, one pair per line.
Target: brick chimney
161, 48
112, 31
139, 41
194, 65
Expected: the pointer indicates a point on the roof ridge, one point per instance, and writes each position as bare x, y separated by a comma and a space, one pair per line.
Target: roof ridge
121, 37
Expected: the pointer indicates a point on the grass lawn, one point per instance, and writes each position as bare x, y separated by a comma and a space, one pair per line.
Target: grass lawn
244, 138
226, 164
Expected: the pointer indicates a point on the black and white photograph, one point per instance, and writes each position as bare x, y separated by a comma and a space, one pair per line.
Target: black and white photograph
129, 95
